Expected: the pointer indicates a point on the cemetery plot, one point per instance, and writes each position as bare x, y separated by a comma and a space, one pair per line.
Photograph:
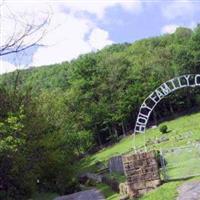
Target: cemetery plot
181, 162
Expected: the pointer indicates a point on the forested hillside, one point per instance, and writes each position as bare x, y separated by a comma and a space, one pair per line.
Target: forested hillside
62, 111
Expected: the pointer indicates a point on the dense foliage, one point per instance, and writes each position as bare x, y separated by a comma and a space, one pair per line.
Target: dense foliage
52, 115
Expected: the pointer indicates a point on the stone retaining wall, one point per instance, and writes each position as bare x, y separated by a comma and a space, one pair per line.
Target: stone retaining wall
142, 173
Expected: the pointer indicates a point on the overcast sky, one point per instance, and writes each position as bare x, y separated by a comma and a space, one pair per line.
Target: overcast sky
82, 26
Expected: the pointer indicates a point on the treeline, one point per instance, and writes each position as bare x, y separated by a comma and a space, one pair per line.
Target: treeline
50, 116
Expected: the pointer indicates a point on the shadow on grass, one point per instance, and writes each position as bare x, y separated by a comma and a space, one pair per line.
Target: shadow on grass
169, 131
182, 179
108, 193
85, 165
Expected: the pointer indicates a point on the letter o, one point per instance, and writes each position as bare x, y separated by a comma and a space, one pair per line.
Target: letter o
197, 80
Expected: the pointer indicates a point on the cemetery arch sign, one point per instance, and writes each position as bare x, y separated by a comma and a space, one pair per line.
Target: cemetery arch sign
189, 80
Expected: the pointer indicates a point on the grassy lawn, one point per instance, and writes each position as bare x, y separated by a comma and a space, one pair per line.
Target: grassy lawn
183, 131
178, 127
184, 161
167, 192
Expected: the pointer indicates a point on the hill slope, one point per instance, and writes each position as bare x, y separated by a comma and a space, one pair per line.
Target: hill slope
105, 89
178, 129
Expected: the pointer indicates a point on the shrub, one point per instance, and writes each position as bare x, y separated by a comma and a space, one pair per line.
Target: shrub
163, 129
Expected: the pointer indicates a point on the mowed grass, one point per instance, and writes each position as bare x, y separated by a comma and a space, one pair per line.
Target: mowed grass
164, 192
167, 191
183, 162
179, 128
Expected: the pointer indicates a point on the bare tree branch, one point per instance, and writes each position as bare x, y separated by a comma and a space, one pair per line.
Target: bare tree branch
30, 34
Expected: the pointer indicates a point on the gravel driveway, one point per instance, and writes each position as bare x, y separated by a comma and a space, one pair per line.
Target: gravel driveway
92, 194
189, 191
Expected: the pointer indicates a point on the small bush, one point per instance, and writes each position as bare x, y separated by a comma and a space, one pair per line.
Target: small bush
163, 129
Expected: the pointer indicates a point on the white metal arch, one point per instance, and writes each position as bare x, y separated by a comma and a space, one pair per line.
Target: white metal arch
189, 80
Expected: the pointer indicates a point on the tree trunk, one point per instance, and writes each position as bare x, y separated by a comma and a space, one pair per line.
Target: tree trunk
171, 108
99, 140
110, 131
155, 119
115, 131
98, 136
123, 129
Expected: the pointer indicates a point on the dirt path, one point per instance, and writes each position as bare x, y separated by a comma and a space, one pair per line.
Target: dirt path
92, 194
189, 191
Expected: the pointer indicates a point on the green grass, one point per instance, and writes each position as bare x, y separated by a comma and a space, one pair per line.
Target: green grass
166, 192
178, 128
185, 161
107, 192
